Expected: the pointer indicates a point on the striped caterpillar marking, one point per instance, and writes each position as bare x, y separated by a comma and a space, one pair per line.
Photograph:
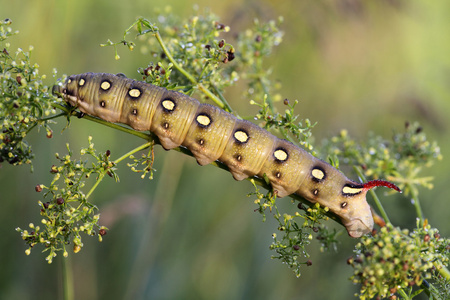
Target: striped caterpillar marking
213, 134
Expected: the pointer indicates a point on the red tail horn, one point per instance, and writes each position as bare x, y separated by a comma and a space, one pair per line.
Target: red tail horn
374, 183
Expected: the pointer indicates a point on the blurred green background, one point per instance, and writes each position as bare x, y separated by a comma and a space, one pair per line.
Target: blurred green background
191, 233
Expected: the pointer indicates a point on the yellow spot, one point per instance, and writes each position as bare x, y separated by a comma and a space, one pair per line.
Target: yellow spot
134, 93
281, 155
81, 82
318, 174
241, 136
168, 105
350, 190
105, 85
203, 120
69, 81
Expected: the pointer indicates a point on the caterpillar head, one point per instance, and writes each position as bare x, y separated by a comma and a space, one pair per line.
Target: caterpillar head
354, 210
344, 197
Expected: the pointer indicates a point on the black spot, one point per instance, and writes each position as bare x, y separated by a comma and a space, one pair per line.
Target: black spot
315, 192
344, 204
102, 103
201, 142
238, 157
238, 141
278, 175
135, 88
168, 110
134, 112
279, 161
79, 80
353, 186
110, 85
203, 125
165, 125
320, 169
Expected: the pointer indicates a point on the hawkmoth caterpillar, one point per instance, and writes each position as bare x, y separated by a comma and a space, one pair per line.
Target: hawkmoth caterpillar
211, 133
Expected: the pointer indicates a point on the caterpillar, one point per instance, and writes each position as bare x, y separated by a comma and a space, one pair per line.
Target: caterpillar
211, 134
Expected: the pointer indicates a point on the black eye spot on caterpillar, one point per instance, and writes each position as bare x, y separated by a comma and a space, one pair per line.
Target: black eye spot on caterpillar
81, 82
246, 149
352, 189
318, 174
241, 136
281, 155
168, 105
105, 85
134, 93
203, 120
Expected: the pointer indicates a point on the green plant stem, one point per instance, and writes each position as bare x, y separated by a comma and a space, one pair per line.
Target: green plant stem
416, 202
223, 100
102, 175
374, 195
191, 78
172, 60
97, 182
442, 270
266, 92
403, 294
67, 278
45, 119
137, 149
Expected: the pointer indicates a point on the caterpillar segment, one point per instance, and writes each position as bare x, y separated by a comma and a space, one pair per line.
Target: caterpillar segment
211, 133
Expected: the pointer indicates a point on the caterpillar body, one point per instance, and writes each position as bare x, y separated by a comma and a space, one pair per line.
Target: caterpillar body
211, 133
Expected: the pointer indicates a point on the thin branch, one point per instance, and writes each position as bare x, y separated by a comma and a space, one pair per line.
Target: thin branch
191, 78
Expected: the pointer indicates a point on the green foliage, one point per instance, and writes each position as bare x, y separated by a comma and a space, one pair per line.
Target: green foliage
400, 159
68, 213
193, 56
25, 102
295, 231
395, 260
285, 123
